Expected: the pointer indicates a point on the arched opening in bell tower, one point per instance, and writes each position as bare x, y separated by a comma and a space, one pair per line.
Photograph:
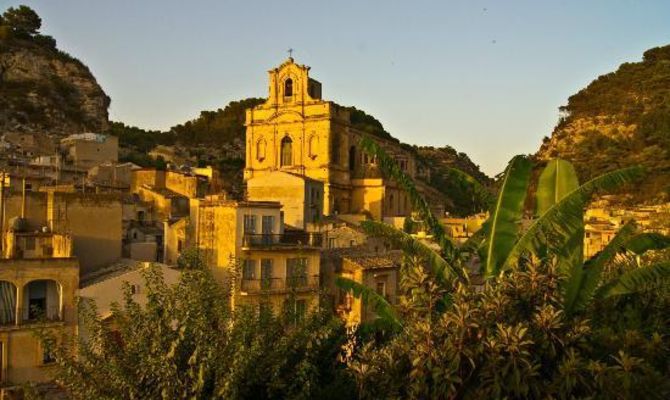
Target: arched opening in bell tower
288, 87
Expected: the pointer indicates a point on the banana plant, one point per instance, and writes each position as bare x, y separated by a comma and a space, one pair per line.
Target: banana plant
555, 234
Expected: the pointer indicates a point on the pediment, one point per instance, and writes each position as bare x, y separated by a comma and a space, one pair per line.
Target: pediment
286, 116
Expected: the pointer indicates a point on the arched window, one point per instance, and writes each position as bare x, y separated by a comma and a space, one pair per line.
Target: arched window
352, 158
260, 149
288, 87
286, 151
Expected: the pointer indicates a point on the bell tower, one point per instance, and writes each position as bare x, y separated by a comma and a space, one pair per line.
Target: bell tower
290, 84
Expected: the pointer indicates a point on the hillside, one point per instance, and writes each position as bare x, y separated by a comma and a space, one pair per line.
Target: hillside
43, 89
620, 119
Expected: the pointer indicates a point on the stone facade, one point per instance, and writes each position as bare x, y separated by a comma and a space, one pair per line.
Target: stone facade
296, 131
42, 293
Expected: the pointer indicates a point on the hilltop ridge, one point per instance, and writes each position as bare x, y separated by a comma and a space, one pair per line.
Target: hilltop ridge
620, 119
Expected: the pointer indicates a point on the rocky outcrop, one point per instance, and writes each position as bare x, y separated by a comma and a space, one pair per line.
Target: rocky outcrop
44, 90
619, 120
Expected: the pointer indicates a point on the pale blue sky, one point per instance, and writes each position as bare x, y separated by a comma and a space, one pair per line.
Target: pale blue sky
486, 77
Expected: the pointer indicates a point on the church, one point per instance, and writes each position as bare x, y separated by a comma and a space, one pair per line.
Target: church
303, 151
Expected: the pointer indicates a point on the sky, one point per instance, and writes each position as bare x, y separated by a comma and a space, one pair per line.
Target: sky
485, 77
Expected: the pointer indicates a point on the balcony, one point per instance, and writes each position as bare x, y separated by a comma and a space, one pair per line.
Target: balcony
268, 285
283, 240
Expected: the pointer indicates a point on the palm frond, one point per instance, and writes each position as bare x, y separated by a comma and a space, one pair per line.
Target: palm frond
635, 280
483, 194
391, 169
442, 269
646, 241
502, 227
563, 219
368, 296
556, 180
583, 280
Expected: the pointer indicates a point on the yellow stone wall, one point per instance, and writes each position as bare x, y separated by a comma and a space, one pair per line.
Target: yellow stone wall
301, 198
93, 221
22, 352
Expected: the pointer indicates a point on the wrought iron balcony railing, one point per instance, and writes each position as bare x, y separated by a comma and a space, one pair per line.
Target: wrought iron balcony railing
280, 284
287, 239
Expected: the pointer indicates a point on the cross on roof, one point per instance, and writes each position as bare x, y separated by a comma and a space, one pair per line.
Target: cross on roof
290, 52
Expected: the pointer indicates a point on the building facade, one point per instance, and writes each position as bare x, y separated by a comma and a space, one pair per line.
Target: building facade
297, 132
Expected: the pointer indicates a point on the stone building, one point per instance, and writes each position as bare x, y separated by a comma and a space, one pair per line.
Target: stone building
297, 132
376, 270
38, 284
249, 239
86, 150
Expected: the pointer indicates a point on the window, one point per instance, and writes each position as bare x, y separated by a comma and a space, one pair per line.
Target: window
335, 149
249, 270
260, 149
250, 224
352, 158
380, 288
286, 151
266, 273
331, 243
267, 224
180, 245
296, 271
352, 243
30, 243
288, 87
134, 289
300, 310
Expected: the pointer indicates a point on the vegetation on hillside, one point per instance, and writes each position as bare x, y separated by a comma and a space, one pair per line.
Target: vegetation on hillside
620, 119
41, 87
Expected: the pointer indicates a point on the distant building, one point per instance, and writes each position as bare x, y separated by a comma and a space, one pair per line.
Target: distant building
87, 150
376, 270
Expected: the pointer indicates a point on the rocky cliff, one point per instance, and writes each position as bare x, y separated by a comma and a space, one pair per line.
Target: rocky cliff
620, 119
43, 89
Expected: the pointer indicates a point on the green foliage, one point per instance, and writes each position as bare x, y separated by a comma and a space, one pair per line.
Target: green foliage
22, 21
557, 180
391, 169
370, 297
509, 340
503, 225
621, 119
186, 342
216, 127
559, 223
465, 187
138, 139
368, 124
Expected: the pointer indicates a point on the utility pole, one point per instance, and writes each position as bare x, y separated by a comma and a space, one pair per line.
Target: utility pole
2, 213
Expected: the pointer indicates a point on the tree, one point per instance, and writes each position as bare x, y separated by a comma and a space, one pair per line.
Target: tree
186, 342
23, 21
545, 324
